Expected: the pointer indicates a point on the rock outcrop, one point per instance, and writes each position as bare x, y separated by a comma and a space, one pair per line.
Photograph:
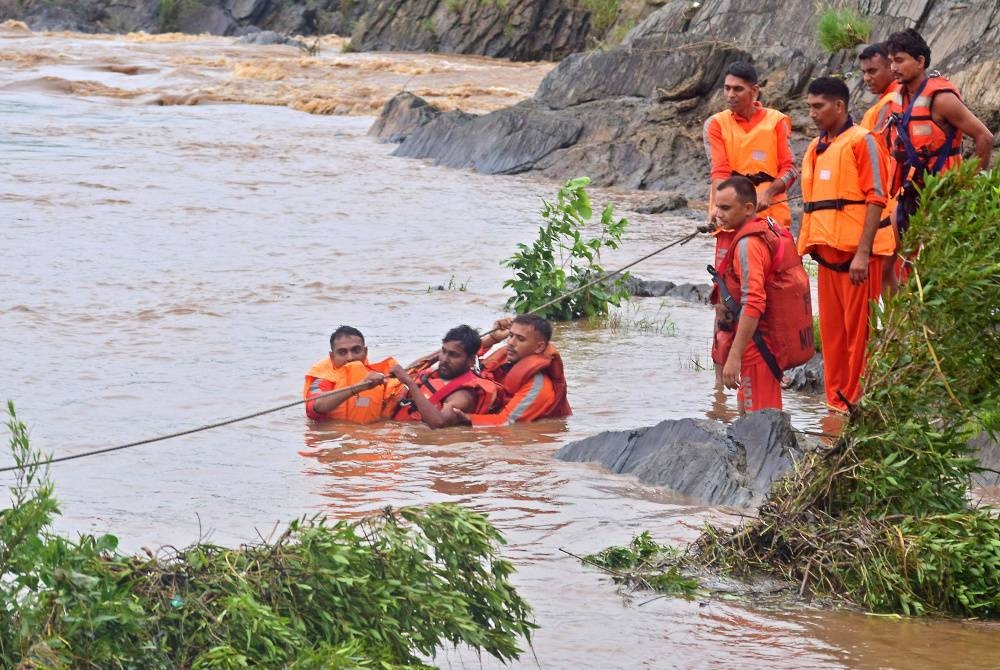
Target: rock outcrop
632, 116
717, 464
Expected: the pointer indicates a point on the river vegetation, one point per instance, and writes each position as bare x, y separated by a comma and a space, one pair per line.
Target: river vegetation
564, 261
882, 518
385, 592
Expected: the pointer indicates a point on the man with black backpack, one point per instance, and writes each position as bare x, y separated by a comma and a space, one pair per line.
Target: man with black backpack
765, 301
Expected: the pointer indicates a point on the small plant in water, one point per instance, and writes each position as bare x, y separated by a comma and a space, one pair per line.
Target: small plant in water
842, 28
645, 563
452, 285
630, 319
562, 259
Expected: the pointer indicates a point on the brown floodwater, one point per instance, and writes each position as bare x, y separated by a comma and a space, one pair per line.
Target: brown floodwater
165, 267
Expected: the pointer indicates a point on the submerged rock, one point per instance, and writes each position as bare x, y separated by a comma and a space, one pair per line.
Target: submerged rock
717, 464
661, 288
401, 115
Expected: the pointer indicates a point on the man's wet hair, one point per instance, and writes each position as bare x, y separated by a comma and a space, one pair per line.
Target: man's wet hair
743, 70
465, 335
830, 87
541, 326
872, 50
345, 331
909, 41
745, 190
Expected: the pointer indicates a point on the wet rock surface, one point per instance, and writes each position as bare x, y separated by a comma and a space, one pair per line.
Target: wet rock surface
717, 464
640, 108
807, 377
660, 288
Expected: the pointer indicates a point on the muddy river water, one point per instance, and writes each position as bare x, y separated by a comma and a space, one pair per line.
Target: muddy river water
167, 266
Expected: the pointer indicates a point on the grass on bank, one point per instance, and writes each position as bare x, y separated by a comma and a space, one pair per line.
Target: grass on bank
385, 593
882, 518
841, 28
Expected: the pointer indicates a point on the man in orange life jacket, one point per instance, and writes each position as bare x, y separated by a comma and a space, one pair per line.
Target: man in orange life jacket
530, 370
744, 272
751, 140
929, 119
436, 394
844, 192
877, 75
347, 366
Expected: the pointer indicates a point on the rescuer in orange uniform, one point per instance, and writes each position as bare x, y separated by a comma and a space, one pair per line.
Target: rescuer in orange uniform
744, 272
347, 365
751, 140
929, 119
452, 385
530, 370
844, 184
878, 76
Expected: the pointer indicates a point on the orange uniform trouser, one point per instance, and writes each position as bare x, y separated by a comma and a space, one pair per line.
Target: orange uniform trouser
759, 389
844, 324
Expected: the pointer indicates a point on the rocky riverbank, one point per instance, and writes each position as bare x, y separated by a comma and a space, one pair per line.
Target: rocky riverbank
632, 116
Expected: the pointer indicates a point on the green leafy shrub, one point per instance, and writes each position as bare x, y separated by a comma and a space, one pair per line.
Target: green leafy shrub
562, 259
842, 28
646, 563
382, 593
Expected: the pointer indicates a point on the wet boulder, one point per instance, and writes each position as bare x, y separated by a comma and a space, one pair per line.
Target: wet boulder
807, 377
661, 288
401, 115
717, 464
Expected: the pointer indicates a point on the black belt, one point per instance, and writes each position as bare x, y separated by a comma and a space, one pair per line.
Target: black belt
839, 203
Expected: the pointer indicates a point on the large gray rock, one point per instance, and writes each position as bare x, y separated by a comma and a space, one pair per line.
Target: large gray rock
661, 288
503, 143
717, 464
807, 377
641, 107
401, 115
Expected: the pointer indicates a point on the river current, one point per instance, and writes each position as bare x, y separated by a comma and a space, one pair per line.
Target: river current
170, 265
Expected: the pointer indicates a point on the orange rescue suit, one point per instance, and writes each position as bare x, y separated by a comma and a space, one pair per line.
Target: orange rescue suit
753, 153
437, 391
876, 120
838, 184
363, 407
835, 193
534, 387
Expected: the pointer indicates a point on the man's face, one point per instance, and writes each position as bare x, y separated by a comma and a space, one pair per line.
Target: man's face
453, 361
348, 348
877, 73
730, 213
740, 94
825, 112
523, 341
905, 68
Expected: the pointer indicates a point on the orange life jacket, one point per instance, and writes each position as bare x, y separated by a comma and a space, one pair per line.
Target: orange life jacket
513, 377
878, 121
784, 335
754, 154
833, 203
919, 145
437, 390
364, 407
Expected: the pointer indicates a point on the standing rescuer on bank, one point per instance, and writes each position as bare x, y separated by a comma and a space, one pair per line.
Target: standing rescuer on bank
743, 274
844, 185
929, 119
751, 140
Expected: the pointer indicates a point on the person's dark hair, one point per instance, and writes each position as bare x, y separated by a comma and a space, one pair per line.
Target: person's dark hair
465, 335
345, 331
872, 50
744, 188
541, 326
830, 87
743, 70
910, 42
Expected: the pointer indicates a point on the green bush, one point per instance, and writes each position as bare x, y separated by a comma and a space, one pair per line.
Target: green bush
842, 28
382, 593
562, 259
